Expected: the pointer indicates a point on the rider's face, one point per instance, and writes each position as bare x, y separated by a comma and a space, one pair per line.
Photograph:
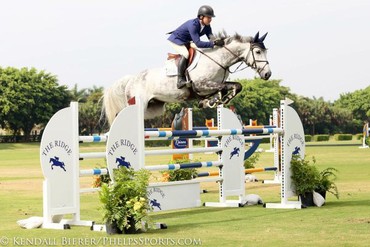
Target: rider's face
206, 20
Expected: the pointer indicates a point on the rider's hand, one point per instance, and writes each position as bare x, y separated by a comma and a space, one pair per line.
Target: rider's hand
219, 42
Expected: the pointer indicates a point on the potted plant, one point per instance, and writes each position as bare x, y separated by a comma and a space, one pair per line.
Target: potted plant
125, 202
305, 178
326, 182
251, 161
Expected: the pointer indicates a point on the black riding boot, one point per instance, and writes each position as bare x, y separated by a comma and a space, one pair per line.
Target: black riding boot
181, 79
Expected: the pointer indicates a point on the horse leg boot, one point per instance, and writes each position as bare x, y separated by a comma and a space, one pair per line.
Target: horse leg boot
181, 79
232, 89
215, 99
210, 102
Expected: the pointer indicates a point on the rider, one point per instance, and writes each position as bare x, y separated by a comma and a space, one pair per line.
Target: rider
191, 31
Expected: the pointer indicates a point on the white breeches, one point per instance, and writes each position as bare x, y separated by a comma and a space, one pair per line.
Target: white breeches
181, 49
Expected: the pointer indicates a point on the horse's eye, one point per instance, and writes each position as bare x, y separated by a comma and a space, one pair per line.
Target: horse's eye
258, 52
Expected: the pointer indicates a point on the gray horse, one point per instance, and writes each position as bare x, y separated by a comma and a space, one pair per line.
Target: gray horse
208, 74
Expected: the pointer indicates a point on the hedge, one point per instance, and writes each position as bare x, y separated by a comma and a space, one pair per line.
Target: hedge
319, 138
307, 138
359, 136
343, 137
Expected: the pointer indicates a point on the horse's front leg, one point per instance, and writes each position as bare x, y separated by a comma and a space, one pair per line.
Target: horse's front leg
230, 90
214, 95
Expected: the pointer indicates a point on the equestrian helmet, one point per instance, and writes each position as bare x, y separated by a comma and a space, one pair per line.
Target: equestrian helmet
206, 10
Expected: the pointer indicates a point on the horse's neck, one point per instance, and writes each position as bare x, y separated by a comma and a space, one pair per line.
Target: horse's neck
227, 56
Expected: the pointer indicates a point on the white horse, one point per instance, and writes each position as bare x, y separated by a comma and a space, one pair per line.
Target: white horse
208, 77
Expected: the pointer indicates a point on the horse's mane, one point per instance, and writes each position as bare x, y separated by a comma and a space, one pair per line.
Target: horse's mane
237, 37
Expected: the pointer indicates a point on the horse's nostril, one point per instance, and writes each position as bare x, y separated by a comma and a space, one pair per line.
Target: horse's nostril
268, 75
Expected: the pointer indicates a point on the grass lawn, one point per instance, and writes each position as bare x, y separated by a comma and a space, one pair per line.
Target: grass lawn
343, 222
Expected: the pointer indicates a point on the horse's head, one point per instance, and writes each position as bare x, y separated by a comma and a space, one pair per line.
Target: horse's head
252, 51
257, 58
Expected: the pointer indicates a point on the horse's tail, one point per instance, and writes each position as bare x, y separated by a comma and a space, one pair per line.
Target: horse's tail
115, 99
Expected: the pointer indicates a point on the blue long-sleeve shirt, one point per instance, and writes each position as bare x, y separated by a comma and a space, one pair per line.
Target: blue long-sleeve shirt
190, 31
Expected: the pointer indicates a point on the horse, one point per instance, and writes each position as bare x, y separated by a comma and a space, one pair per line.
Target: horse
236, 151
121, 162
208, 77
296, 150
155, 203
55, 162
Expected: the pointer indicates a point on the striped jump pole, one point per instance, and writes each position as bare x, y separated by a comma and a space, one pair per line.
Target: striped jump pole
83, 139
250, 170
92, 172
209, 133
184, 166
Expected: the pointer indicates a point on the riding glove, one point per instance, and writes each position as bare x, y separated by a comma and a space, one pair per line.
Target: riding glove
219, 42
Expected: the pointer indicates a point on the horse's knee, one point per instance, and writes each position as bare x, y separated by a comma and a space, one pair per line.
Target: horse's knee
238, 88
235, 86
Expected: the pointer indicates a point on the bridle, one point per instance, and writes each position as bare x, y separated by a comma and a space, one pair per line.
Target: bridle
255, 61
239, 59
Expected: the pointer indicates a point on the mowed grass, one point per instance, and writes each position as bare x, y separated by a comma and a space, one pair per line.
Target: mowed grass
343, 222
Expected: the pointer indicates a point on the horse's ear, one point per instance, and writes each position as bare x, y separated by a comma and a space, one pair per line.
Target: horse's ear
263, 37
256, 37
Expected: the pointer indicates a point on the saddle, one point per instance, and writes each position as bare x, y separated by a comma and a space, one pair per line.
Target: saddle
177, 56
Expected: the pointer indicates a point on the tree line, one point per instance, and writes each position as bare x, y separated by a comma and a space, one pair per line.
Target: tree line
29, 97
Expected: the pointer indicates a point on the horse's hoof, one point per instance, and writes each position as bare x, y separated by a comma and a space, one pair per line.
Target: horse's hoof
200, 104
211, 105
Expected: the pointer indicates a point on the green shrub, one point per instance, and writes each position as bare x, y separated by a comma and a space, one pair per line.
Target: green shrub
308, 138
358, 136
180, 174
265, 140
342, 137
158, 143
251, 161
320, 138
